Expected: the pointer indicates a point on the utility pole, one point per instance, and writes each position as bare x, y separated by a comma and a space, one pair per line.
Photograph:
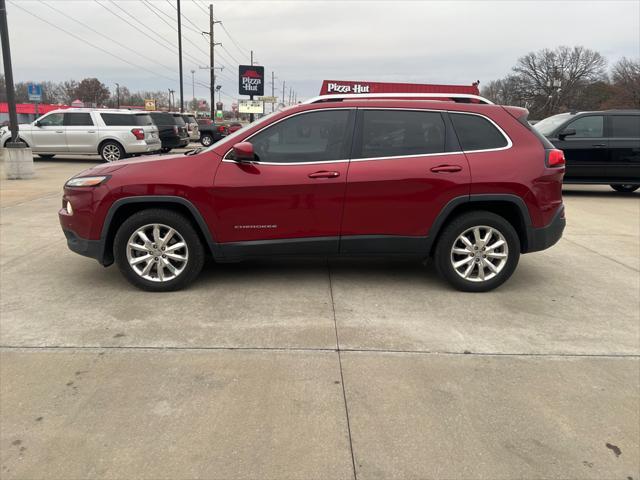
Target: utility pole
251, 116
171, 92
212, 72
180, 57
8, 75
118, 94
193, 89
19, 159
273, 90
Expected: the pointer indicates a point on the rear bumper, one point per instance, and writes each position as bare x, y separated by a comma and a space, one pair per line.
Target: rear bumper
544, 237
175, 142
144, 146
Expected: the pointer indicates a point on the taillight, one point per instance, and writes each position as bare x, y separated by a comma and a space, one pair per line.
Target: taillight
138, 133
555, 158
175, 129
221, 128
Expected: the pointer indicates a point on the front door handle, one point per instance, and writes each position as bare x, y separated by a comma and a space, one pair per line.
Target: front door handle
324, 174
59, 131
599, 145
91, 131
446, 169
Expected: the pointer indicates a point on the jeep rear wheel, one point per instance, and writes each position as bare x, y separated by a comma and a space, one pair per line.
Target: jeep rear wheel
477, 251
158, 250
625, 188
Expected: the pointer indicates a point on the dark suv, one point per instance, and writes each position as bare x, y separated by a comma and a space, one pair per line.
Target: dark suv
601, 147
471, 185
172, 130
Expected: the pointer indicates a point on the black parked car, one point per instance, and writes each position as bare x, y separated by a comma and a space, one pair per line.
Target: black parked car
172, 130
601, 147
210, 134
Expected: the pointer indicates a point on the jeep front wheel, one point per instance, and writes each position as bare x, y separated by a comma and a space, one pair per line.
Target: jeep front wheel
158, 250
477, 251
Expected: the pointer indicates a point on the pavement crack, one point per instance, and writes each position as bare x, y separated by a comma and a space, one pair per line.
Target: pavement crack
344, 392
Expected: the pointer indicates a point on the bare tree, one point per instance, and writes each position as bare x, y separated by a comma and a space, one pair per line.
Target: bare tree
626, 84
552, 80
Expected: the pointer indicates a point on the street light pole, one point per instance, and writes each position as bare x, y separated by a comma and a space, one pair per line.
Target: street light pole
180, 57
193, 89
118, 94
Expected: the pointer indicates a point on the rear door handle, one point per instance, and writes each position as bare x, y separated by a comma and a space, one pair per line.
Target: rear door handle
91, 131
324, 174
446, 169
59, 131
599, 145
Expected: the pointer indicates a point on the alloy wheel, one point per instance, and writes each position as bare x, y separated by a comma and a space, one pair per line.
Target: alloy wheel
111, 152
157, 252
479, 253
207, 140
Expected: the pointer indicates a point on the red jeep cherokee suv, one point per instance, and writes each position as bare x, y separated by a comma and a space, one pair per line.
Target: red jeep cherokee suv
461, 180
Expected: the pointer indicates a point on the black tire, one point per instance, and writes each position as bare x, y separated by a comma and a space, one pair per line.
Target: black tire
46, 156
625, 188
19, 139
443, 255
112, 151
195, 258
206, 140
165, 149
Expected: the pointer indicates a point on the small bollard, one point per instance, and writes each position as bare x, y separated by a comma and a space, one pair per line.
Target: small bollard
18, 161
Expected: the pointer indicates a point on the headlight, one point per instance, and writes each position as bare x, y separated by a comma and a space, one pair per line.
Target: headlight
86, 181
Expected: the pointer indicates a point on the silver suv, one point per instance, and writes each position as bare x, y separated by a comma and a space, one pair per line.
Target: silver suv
114, 134
192, 126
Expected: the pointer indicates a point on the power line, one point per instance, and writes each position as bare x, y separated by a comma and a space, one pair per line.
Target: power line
154, 61
242, 50
187, 19
89, 43
170, 48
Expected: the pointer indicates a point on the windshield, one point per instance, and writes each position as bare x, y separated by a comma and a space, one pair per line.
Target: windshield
549, 124
242, 130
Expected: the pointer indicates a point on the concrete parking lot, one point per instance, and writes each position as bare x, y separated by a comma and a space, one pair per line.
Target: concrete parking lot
319, 369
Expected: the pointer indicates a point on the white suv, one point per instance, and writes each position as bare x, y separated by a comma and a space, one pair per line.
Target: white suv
114, 134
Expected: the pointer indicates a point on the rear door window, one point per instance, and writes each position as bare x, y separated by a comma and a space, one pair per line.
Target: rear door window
78, 119
625, 126
477, 133
591, 126
398, 133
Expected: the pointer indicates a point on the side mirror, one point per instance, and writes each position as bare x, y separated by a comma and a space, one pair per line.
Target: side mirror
37, 123
566, 133
243, 152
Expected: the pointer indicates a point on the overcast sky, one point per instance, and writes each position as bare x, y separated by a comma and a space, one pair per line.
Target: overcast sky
305, 42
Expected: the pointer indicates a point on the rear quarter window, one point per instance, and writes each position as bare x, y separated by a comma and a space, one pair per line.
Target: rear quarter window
625, 126
178, 120
162, 119
121, 119
477, 133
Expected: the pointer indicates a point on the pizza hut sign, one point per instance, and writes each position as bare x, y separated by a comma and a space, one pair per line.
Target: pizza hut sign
251, 80
347, 88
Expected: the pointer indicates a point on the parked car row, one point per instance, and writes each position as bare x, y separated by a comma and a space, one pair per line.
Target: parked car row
112, 133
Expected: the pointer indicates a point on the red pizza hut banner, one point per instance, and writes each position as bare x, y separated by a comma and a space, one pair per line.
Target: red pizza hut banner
251, 80
346, 87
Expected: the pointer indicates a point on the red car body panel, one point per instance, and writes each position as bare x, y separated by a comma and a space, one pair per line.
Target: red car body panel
262, 202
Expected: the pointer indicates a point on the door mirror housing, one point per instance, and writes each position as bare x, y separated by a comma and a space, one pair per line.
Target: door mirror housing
243, 152
566, 133
37, 123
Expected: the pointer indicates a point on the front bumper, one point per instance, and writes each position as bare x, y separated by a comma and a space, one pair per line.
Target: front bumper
544, 237
88, 248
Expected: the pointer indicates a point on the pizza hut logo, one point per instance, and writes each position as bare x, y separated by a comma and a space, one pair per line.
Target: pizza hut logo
251, 81
342, 88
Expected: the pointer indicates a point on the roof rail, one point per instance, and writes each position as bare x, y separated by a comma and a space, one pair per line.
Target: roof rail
456, 97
